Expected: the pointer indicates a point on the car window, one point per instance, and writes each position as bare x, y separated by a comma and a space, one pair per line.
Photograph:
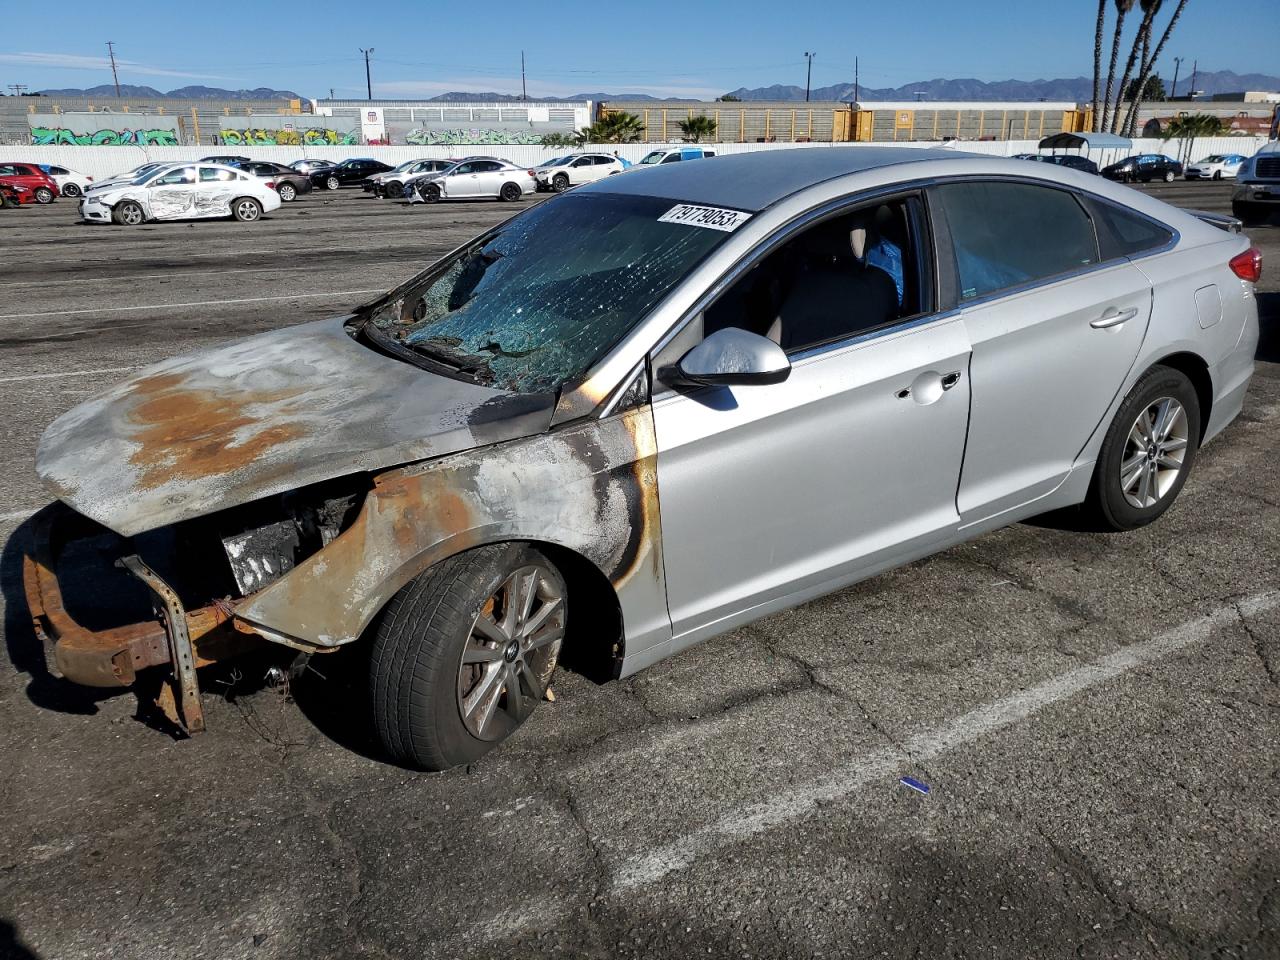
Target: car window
584, 162
59, 171
463, 168
208, 174
1123, 233
1006, 234
603, 161
175, 177
843, 277
486, 166
6, 170
673, 158
708, 153
653, 156
548, 293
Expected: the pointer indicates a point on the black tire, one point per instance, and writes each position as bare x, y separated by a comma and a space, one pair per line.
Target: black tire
1250, 214
430, 193
288, 192
43, 195
246, 209
560, 182
416, 672
71, 190
1107, 504
1169, 176
510, 192
128, 214
1217, 174
333, 183
392, 189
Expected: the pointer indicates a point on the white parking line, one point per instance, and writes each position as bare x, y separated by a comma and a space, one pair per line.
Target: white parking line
17, 514
67, 373
197, 303
965, 729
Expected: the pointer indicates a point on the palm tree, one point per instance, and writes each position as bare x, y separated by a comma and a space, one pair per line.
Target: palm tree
695, 128
1097, 58
1141, 43
1131, 121
615, 127
558, 139
1189, 126
1122, 10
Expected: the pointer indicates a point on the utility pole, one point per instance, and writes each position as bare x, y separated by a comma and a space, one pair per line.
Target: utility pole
1195, 68
524, 91
368, 78
111, 51
17, 88
808, 73
855, 79
1177, 65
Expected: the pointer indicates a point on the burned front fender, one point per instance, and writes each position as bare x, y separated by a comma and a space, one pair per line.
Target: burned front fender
590, 487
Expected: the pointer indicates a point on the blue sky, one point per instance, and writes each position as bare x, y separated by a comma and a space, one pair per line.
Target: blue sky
696, 48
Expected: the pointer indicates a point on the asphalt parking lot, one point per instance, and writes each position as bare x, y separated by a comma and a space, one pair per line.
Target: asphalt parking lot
1097, 716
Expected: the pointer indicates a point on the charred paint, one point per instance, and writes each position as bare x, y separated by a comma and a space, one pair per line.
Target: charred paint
188, 434
591, 488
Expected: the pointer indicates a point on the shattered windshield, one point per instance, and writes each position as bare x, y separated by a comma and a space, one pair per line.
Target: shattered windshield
548, 293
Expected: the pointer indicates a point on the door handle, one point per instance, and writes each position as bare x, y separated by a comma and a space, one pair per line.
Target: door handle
928, 387
950, 380
1113, 318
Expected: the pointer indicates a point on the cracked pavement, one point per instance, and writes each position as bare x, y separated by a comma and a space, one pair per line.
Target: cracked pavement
738, 800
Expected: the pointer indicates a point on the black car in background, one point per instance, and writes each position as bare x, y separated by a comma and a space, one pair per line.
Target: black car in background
1145, 167
309, 165
348, 172
289, 182
1074, 161
228, 160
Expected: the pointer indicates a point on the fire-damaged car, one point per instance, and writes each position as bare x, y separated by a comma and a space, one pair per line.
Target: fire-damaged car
636, 416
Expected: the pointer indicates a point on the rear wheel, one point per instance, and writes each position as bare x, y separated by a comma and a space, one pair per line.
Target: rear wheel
287, 192
463, 654
128, 214
1169, 176
71, 190
44, 195
1148, 451
246, 209
510, 192
1250, 214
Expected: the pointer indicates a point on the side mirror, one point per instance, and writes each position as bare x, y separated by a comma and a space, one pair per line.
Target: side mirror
732, 356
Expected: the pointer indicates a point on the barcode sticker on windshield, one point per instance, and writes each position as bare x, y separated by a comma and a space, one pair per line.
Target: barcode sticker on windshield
713, 218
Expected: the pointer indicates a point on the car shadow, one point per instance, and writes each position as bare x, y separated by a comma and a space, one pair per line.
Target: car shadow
25, 650
11, 947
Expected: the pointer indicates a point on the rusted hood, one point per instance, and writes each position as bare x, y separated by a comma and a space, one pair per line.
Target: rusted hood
256, 417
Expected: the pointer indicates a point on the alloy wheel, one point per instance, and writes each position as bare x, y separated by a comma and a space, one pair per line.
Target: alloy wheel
247, 210
1154, 453
511, 652
288, 192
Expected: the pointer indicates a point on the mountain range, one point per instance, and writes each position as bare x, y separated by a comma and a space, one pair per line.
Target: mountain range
1073, 88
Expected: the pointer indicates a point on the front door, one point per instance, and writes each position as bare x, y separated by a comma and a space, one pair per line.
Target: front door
1054, 332
464, 181
771, 494
172, 195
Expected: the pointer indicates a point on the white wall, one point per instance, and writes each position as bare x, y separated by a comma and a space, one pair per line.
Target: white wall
101, 162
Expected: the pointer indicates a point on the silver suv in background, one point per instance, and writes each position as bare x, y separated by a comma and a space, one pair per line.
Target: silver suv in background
1257, 191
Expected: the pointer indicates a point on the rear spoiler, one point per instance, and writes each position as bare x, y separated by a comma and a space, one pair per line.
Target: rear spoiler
1219, 220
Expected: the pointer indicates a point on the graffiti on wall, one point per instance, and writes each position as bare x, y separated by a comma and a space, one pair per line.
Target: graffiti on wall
427, 137
61, 136
267, 137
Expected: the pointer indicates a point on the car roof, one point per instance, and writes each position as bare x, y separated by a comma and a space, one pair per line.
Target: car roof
753, 181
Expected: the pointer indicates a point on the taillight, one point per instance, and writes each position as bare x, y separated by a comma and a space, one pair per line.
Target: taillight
1248, 265
531, 173
90, 179
271, 184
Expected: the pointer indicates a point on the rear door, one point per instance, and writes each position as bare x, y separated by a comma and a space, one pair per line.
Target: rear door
1055, 328
214, 190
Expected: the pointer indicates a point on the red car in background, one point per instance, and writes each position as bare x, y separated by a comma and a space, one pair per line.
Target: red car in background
15, 195
42, 186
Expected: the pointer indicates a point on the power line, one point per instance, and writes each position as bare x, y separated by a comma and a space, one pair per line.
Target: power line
111, 50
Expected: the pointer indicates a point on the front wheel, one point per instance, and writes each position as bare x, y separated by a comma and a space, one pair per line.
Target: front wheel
463, 654
1217, 174
127, 214
246, 209
333, 183
510, 192
431, 192
1148, 451
561, 183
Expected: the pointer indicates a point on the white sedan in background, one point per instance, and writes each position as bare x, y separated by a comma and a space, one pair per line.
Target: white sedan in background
472, 178
565, 172
1218, 166
182, 192
70, 183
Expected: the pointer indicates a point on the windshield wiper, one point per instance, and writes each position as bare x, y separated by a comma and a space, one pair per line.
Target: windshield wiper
429, 356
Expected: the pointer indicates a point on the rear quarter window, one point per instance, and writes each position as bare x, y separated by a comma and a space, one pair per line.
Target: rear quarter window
1123, 233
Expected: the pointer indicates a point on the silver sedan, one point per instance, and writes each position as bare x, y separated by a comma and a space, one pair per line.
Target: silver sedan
644, 413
